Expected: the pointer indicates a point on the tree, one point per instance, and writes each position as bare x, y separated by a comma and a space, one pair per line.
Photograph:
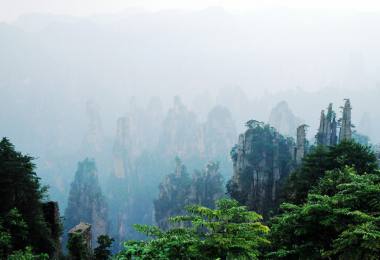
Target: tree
322, 159
228, 232
102, 251
27, 254
77, 247
339, 220
21, 201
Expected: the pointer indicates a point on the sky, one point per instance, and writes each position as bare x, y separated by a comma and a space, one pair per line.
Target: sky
11, 9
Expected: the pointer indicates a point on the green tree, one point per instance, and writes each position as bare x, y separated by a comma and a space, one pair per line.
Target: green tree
5, 242
228, 232
339, 220
322, 159
102, 251
27, 254
77, 247
21, 201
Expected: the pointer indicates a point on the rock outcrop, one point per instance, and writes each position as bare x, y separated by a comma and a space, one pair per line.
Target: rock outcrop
53, 219
121, 160
94, 139
327, 132
262, 160
84, 230
284, 120
179, 189
327, 128
206, 186
301, 144
218, 133
345, 122
86, 202
173, 195
180, 134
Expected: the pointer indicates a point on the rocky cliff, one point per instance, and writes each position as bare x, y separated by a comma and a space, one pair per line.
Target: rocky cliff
327, 128
173, 195
206, 186
86, 202
179, 189
345, 132
283, 119
262, 160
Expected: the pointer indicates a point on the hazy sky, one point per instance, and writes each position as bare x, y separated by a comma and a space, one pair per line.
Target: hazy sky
11, 9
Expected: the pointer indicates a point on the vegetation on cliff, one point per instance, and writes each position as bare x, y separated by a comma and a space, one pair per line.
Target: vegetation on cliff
262, 161
86, 201
23, 227
179, 190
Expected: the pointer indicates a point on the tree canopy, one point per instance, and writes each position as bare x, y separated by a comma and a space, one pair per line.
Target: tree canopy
22, 221
322, 159
228, 232
340, 219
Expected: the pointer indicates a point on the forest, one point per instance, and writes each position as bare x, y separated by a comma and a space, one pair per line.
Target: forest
287, 199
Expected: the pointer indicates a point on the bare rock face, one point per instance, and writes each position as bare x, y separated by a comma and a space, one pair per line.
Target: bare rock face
206, 186
327, 132
283, 119
121, 160
84, 230
52, 217
301, 145
94, 139
218, 133
86, 202
173, 195
181, 133
327, 128
345, 122
179, 189
262, 160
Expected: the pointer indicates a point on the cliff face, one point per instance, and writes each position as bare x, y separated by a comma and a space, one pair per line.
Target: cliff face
173, 195
218, 132
52, 218
345, 122
302, 144
94, 140
179, 189
283, 119
180, 134
86, 202
327, 132
206, 186
262, 159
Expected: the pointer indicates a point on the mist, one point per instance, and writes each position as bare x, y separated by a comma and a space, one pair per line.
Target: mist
182, 82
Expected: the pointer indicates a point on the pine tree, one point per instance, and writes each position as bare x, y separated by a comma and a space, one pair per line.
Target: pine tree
22, 195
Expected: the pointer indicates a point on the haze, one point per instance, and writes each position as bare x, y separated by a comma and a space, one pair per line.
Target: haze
69, 67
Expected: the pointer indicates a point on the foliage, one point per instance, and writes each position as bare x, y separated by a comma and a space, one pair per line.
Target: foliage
173, 197
77, 247
179, 190
102, 251
340, 220
5, 242
86, 202
322, 159
21, 202
27, 254
266, 154
228, 232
